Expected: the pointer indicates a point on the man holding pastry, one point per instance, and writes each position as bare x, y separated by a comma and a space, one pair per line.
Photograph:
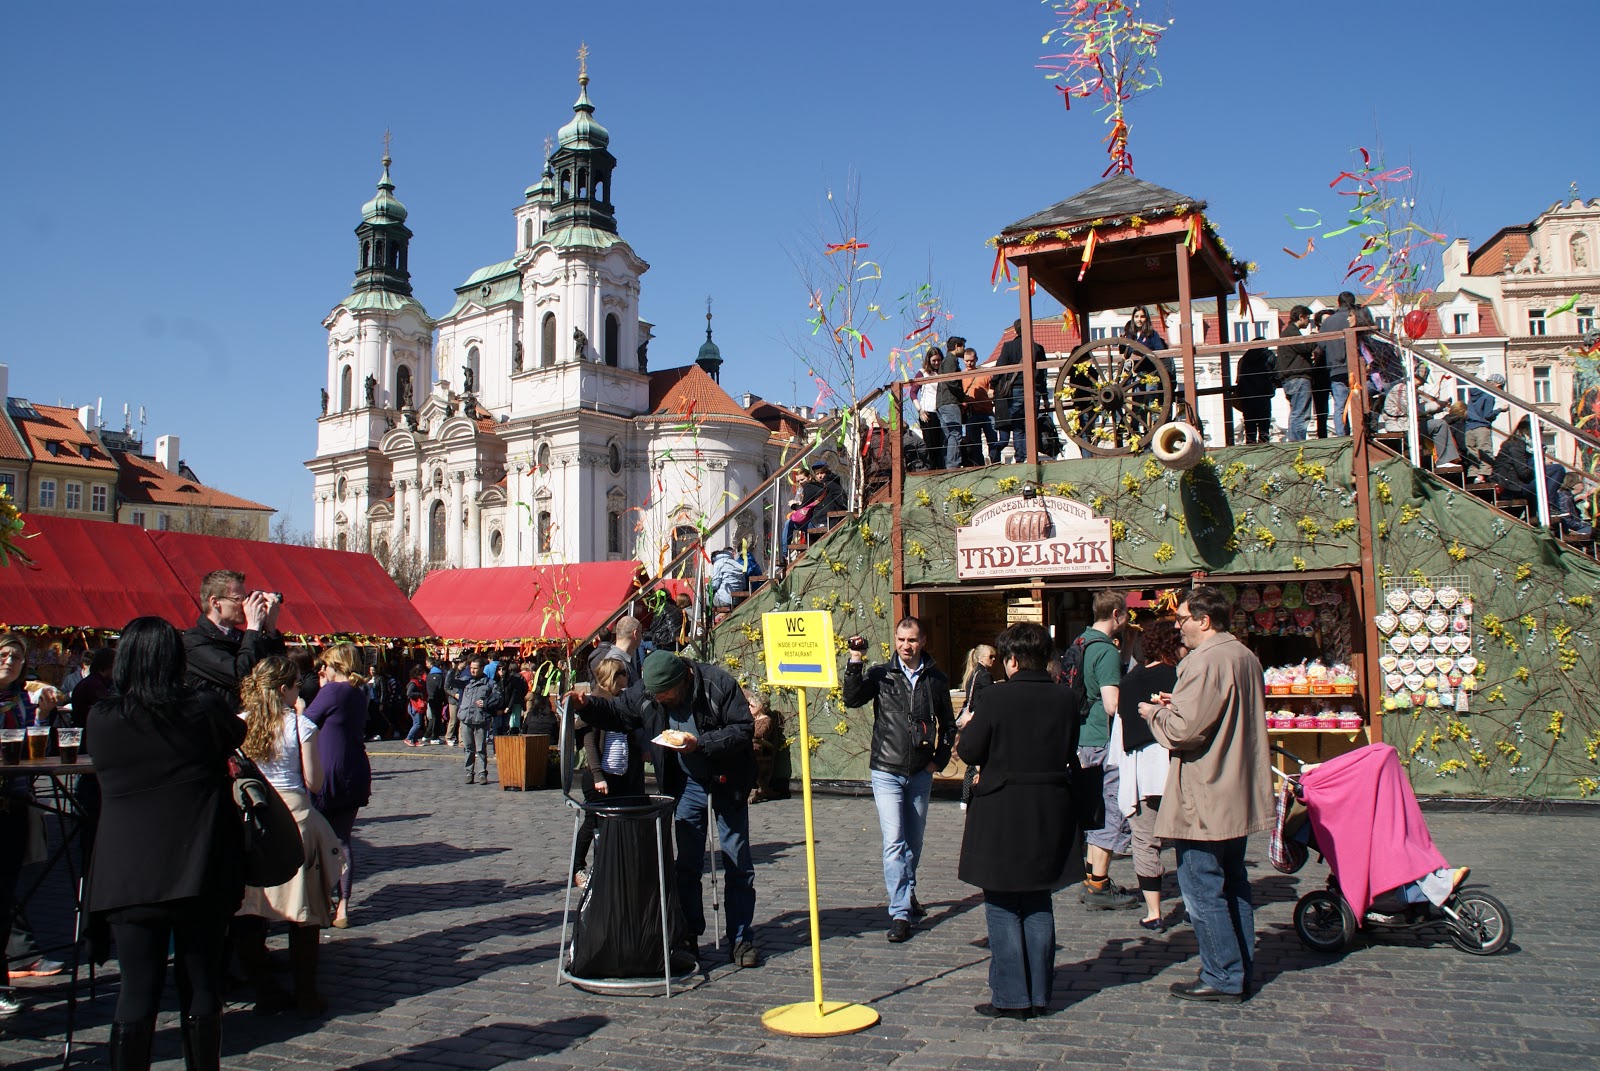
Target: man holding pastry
703, 754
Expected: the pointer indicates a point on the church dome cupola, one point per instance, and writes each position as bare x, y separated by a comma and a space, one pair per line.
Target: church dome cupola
710, 357
582, 165
383, 239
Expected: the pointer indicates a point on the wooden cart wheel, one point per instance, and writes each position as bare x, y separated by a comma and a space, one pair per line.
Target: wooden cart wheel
1112, 395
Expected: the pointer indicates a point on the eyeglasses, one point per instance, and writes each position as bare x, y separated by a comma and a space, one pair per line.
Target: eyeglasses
235, 598
11, 656
1184, 619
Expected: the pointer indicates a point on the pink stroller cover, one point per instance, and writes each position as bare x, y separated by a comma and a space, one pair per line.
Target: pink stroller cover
1368, 824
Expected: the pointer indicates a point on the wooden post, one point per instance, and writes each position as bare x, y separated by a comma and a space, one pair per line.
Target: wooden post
1224, 360
897, 491
1030, 405
1366, 607
1186, 329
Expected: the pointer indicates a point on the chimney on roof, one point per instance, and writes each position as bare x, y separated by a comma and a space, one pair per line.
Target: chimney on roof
86, 417
750, 398
167, 453
805, 412
5, 381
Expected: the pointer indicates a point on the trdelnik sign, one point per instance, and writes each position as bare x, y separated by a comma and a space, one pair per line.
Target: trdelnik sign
1042, 536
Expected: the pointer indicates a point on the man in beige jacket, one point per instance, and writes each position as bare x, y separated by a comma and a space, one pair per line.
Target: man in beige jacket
1219, 790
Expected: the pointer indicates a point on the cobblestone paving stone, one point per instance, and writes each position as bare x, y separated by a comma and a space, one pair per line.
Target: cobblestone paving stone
457, 915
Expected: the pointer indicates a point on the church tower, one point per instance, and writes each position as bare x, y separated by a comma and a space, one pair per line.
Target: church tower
380, 368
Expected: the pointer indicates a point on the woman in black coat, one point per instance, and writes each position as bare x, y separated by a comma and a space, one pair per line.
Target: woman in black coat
168, 863
1019, 824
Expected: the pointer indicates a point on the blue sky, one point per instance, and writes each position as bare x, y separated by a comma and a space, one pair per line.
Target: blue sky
182, 181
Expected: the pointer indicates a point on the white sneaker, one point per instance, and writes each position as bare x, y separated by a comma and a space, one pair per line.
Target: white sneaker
963, 807
9, 1005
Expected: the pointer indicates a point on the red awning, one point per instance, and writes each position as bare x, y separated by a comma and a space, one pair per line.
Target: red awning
525, 604
91, 574
325, 592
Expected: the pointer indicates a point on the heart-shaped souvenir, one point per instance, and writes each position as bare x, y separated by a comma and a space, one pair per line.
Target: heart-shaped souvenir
1408, 665
1386, 622
1461, 642
1388, 663
1398, 600
1419, 643
1437, 622
1440, 643
1459, 623
1426, 665
1305, 616
1467, 663
1414, 681
1266, 619
1400, 643
1395, 681
1466, 605
1412, 621
1447, 597
1422, 598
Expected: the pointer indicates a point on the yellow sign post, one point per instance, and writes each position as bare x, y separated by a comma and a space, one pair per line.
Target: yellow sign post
800, 655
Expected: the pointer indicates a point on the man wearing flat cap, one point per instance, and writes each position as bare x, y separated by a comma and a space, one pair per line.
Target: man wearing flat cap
702, 708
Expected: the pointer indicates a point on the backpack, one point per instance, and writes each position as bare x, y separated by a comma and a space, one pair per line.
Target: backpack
1078, 702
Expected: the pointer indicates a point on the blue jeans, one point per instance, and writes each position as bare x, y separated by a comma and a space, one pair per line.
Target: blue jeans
902, 816
416, 727
1338, 394
1022, 947
733, 832
1298, 391
980, 429
1216, 894
1019, 425
950, 424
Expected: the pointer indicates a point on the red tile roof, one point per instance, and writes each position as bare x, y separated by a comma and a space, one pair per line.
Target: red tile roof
10, 442
781, 421
1506, 249
60, 426
143, 480
676, 393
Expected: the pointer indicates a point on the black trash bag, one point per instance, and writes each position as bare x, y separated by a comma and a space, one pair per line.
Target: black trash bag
618, 928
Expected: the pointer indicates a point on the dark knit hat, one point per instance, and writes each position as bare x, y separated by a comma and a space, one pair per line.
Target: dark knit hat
663, 670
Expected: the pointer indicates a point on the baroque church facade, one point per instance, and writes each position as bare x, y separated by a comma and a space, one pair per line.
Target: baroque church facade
523, 426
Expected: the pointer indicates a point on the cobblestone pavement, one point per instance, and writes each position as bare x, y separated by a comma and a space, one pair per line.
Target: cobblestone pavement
457, 914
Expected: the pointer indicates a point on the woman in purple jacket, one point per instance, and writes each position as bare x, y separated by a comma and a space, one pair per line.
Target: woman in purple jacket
340, 713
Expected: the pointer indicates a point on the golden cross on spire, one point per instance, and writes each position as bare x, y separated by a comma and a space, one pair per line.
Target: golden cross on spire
583, 60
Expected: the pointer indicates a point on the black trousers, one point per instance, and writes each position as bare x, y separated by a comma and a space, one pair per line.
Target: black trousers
13, 844
197, 928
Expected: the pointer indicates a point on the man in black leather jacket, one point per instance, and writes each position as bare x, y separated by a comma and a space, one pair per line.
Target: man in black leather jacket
716, 762
913, 728
235, 631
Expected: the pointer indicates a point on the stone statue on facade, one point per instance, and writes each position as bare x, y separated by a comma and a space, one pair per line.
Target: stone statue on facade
469, 380
644, 359
580, 343
405, 395
516, 357
371, 385
324, 401
1580, 251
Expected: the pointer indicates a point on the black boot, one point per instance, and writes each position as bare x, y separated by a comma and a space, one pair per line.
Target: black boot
303, 961
250, 949
202, 1042
130, 1045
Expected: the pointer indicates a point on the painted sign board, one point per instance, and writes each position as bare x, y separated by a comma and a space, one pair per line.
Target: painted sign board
799, 649
1041, 536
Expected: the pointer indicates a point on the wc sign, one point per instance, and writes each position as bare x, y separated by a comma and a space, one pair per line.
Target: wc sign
799, 649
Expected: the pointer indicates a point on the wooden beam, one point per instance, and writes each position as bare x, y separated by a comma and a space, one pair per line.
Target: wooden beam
1366, 607
1185, 329
1030, 407
1227, 370
897, 493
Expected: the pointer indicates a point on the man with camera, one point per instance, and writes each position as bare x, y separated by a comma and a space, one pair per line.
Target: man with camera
235, 631
913, 729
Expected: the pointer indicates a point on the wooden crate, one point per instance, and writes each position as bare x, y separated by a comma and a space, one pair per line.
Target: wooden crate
522, 760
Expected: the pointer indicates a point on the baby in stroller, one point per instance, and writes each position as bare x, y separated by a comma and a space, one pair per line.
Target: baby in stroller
1359, 812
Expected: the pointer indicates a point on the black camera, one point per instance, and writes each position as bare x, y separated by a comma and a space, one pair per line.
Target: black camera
856, 643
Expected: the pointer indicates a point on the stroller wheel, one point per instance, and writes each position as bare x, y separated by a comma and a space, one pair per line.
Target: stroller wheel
1482, 925
1324, 921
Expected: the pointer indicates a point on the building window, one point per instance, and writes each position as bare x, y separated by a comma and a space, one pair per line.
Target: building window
613, 532
684, 536
402, 387
163, 522
436, 533
137, 517
614, 459
1548, 437
1384, 323
1462, 323
1535, 321
341, 541
471, 371
547, 340
346, 381
73, 496
8, 484
613, 340
542, 458
1543, 389
97, 498
1098, 333
47, 494
1241, 331
497, 543
527, 233
1585, 319
544, 531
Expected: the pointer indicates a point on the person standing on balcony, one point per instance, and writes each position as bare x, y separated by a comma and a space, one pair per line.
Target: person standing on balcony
1296, 364
1338, 361
1012, 388
950, 399
1482, 410
979, 410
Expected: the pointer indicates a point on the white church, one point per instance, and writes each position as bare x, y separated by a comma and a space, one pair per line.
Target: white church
522, 427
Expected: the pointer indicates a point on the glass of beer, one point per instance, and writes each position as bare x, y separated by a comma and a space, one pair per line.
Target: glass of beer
10, 746
38, 741
67, 741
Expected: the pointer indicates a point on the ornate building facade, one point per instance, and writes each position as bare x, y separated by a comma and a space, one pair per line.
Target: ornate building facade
523, 426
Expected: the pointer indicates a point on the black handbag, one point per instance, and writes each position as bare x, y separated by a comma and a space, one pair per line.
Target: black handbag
273, 851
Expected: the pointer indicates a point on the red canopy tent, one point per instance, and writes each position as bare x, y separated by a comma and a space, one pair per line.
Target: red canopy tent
526, 605
325, 592
90, 574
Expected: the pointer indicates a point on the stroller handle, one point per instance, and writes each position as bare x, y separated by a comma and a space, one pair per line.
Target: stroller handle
1291, 756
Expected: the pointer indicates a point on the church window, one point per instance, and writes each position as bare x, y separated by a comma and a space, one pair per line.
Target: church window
600, 191
496, 543
614, 459
683, 537
527, 233
613, 532
547, 340
402, 386
566, 184
472, 363
340, 488
436, 541
366, 254
583, 182
346, 382
342, 541
383, 255
613, 342
545, 526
